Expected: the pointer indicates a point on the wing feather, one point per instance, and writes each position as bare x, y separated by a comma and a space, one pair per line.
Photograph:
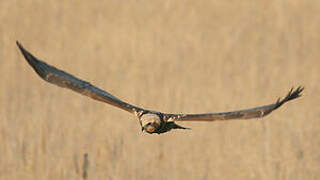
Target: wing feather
241, 114
66, 80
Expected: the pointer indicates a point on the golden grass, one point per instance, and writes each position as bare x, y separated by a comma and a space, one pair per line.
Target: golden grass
173, 56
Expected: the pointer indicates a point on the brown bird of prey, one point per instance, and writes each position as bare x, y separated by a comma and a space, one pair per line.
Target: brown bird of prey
150, 121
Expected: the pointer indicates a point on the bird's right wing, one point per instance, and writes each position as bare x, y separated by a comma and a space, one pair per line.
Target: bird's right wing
65, 80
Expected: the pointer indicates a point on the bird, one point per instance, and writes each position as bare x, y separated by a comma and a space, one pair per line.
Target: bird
150, 121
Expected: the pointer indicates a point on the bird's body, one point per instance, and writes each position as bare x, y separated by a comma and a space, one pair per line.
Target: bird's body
150, 121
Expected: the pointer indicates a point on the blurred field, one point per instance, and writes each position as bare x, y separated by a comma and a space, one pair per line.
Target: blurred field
172, 56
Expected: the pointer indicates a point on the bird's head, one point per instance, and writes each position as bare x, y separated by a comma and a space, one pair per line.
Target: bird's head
150, 123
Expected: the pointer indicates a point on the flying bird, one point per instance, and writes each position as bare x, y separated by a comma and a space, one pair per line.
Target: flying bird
150, 121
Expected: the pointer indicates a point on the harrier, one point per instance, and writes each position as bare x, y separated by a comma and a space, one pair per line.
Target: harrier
150, 121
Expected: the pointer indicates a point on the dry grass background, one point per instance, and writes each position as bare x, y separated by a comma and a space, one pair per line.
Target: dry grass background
173, 56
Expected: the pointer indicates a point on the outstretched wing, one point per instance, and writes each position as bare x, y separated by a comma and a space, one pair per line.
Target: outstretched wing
65, 80
241, 114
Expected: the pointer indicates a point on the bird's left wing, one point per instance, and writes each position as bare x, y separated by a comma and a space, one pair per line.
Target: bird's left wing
241, 114
66, 80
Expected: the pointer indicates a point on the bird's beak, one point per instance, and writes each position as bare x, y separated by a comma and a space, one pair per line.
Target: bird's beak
142, 128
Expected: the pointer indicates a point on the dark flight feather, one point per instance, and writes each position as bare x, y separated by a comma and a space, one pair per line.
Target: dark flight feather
66, 80
241, 114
